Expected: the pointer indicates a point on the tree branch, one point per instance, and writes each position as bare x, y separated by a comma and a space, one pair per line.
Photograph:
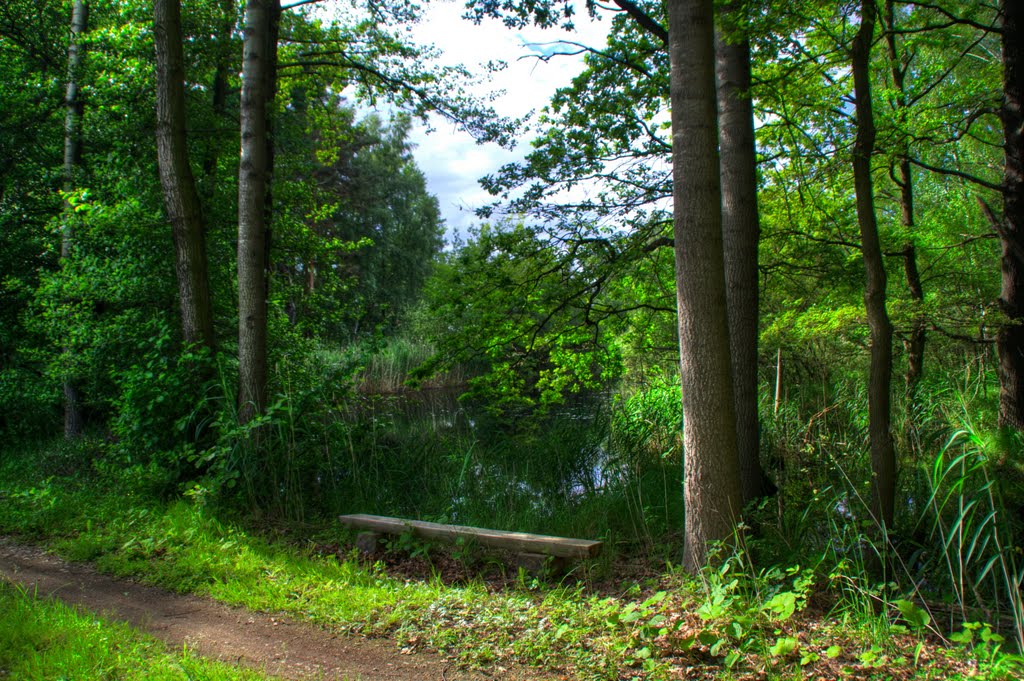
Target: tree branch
949, 15
958, 173
581, 48
644, 20
300, 3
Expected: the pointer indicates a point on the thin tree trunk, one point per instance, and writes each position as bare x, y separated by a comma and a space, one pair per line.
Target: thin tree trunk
253, 184
741, 231
883, 456
778, 382
220, 92
918, 335
1010, 339
904, 178
268, 202
180, 195
74, 107
711, 476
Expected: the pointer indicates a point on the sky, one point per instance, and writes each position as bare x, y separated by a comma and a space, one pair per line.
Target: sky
449, 158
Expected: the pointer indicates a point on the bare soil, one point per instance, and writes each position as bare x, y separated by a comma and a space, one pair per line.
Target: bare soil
269, 642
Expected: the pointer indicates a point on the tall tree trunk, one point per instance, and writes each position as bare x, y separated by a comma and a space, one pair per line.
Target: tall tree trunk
741, 231
179, 187
918, 335
268, 198
259, 54
883, 456
74, 108
904, 178
225, 54
711, 475
1010, 339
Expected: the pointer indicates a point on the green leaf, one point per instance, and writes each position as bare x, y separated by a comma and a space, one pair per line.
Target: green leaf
655, 599
709, 638
629, 616
916, 617
782, 605
964, 637
784, 646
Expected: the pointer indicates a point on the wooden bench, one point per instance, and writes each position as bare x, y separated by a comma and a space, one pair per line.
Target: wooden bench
535, 552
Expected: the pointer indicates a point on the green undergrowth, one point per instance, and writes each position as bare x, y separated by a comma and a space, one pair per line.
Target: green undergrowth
43, 640
734, 622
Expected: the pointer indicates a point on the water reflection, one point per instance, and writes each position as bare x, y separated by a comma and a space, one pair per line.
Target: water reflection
434, 456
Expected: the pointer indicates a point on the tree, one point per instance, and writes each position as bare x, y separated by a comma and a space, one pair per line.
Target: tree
509, 303
711, 476
607, 131
366, 55
179, 187
72, 160
741, 231
33, 84
902, 175
357, 230
938, 86
258, 83
883, 455
1010, 339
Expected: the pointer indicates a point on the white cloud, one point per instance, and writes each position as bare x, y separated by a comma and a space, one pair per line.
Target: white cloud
450, 159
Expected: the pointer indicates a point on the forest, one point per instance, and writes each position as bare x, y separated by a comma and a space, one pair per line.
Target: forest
749, 312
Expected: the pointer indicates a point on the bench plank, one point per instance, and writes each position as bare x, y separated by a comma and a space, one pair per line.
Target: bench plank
562, 547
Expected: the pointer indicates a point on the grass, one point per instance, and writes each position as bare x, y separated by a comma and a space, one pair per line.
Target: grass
386, 365
41, 639
735, 621
432, 457
955, 544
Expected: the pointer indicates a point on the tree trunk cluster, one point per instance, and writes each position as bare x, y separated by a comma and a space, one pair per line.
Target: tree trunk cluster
182, 199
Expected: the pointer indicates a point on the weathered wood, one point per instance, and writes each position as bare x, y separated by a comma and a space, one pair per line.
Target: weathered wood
513, 541
368, 542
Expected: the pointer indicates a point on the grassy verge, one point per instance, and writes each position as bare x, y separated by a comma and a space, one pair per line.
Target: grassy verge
48, 640
735, 622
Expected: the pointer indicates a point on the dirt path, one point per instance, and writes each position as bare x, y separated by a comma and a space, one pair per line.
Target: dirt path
277, 645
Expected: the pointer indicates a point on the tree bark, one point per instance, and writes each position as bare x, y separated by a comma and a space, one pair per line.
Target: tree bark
179, 188
74, 108
219, 92
904, 178
711, 475
258, 58
918, 336
1010, 338
883, 456
741, 231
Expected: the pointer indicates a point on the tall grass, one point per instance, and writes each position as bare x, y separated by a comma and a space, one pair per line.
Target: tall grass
955, 546
600, 469
977, 543
645, 444
324, 446
611, 469
385, 366
587, 468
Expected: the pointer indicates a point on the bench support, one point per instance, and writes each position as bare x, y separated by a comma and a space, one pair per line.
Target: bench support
542, 564
369, 543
